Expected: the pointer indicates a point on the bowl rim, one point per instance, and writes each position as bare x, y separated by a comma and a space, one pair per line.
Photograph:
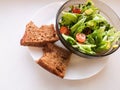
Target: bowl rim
69, 47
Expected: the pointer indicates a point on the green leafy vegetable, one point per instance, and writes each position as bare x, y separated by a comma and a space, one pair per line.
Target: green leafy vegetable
77, 25
68, 18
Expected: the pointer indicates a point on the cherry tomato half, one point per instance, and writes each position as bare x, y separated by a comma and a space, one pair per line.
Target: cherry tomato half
76, 10
80, 37
64, 30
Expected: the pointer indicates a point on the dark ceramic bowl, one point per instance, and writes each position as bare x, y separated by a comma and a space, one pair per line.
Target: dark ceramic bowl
105, 10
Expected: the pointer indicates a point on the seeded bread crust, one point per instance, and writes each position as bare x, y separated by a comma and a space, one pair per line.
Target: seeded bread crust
35, 36
55, 59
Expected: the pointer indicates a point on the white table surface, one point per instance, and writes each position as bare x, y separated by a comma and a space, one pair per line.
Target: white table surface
17, 69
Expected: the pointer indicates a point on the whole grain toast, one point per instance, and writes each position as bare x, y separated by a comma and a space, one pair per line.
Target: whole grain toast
55, 59
35, 36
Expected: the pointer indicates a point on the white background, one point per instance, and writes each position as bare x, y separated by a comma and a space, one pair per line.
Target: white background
17, 69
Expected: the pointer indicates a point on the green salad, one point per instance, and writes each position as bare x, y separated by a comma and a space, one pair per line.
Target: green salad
85, 29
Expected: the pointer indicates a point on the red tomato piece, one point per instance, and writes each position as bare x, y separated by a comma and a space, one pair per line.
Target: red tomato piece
80, 37
76, 10
64, 30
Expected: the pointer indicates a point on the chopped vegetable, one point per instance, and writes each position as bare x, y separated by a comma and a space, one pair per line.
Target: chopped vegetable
68, 18
64, 30
76, 10
80, 37
77, 25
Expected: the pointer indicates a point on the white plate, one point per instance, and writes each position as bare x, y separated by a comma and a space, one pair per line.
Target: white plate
79, 68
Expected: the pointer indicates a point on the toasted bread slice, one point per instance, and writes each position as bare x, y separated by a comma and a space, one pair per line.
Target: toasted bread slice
55, 59
35, 36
